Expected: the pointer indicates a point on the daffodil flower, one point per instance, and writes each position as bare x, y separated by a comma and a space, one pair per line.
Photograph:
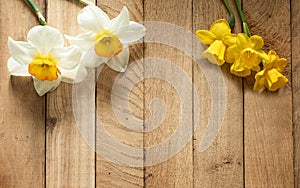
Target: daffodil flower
214, 38
45, 58
271, 77
246, 54
105, 40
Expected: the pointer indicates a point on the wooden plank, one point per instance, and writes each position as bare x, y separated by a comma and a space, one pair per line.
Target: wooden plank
268, 116
168, 65
110, 172
21, 109
221, 165
70, 160
295, 40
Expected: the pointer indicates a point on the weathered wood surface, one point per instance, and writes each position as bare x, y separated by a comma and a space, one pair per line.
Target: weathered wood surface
22, 125
109, 173
42, 144
70, 162
268, 116
295, 57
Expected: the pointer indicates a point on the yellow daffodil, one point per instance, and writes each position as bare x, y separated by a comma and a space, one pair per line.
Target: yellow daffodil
105, 40
45, 58
246, 54
230, 41
214, 38
271, 77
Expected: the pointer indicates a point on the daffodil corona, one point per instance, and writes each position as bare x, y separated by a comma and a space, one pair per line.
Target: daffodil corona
45, 58
105, 40
107, 45
44, 68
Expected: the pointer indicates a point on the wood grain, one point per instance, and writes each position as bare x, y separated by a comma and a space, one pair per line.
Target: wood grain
21, 109
295, 43
42, 144
114, 173
70, 160
221, 165
178, 170
268, 116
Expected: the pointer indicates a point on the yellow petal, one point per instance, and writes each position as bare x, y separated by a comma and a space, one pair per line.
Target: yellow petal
272, 55
280, 64
239, 69
44, 68
263, 55
259, 81
275, 61
256, 42
230, 54
108, 45
242, 41
275, 80
220, 28
229, 39
256, 68
215, 53
205, 36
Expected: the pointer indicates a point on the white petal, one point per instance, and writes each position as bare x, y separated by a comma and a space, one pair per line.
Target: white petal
75, 75
131, 33
119, 63
43, 87
120, 21
91, 18
45, 38
17, 69
85, 40
91, 60
67, 57
23, 52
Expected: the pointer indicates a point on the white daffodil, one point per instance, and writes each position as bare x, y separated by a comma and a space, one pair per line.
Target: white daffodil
105, 40
45, 58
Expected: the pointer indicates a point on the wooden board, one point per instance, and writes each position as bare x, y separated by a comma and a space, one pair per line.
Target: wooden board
44, 143
177, 169
110, 170
268, 116
295, 42
221, 165
70, 161
21, 109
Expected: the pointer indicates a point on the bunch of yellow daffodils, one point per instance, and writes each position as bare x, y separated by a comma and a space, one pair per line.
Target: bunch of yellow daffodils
245, 54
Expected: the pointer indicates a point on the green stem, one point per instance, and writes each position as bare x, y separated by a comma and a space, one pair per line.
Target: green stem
36, 10
84, 2
245, 26
231, 20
